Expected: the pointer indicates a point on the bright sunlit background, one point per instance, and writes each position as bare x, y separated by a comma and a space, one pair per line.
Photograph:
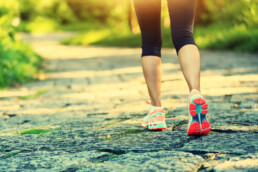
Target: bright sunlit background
219, 25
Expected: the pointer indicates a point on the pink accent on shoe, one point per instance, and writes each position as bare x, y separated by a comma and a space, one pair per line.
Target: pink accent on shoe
204, 111
159, 118
194, 129
199, 101
205, 128
192, 106
163, 129
205, 125
205, 106
193, 112
197, 128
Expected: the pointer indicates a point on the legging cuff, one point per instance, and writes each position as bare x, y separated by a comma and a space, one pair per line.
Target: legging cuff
178, 46
151, 51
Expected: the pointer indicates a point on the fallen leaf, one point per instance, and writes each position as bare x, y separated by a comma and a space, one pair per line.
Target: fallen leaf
183, 159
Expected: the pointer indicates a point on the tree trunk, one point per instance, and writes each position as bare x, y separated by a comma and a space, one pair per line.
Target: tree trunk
132, 21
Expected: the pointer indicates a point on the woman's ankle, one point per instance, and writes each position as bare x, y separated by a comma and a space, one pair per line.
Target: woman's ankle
156, 104
192, 91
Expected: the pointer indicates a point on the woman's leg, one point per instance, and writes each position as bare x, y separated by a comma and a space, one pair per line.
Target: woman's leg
182, 14
148, 15
151, 66
182, 20
189, 59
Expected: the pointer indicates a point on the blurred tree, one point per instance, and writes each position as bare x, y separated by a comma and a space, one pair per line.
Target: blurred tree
202, 12
231, 11
120, 13
91, 9
55, 9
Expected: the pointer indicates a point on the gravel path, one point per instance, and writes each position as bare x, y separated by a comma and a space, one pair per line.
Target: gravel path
93, 100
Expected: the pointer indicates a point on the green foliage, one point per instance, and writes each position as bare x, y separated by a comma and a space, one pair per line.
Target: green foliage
18, 62
44, 15
82, 26
233, 26
39, 25
57, 10
234, 12
106, 36
216, 36
238, 38
48, 15
250, 14
91, 10
99, 34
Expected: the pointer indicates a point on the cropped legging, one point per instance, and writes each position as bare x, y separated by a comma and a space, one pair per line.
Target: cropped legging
181, 14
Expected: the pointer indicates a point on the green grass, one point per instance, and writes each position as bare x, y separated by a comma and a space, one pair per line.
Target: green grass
219, 36
37, 131
133, 131
81, 26
12, 154
111, 123
104, 36
2, 150
37, 94
127, 131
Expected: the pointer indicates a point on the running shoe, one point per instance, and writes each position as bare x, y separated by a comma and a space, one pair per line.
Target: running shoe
155, 119
198, 108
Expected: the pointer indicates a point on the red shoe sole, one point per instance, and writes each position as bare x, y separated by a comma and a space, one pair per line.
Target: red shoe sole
195, 128
198, 101
205, 128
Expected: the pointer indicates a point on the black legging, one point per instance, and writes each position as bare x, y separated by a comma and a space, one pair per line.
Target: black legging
181, 14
